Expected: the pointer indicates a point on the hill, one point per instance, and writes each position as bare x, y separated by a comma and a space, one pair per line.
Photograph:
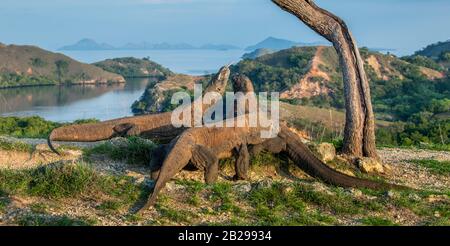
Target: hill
257, 53
435, 55
30, 65
157, 97
134, 68
276, 44
305, 72
88, 44
435, 50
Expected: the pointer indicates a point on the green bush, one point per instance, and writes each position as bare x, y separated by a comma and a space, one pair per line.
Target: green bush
30, 127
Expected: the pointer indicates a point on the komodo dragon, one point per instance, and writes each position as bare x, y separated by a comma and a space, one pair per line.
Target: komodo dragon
204, 147
154, 126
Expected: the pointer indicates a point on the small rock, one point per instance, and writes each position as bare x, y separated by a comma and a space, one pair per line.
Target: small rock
243, 188
437, 214
288, 189
437, 198
265, 184
173, 187
355, 192
370, 165
392, 194
414, 197
137, 176
324, 151
119, 142
320, 187
207, 210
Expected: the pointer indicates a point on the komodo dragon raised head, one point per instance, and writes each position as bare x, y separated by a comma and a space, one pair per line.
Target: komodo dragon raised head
154, 126
204, 147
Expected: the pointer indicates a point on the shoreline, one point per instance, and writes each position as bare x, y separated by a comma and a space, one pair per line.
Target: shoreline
69, 84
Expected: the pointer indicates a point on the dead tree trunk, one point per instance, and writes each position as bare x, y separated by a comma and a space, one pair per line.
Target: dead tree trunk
359, 135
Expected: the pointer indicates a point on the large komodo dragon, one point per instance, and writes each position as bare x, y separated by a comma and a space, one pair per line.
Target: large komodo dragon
153, 126
204, 147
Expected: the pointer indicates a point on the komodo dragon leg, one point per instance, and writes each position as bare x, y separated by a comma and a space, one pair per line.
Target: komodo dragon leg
206, 160
242, 163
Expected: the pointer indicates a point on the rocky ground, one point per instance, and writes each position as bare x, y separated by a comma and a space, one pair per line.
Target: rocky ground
97, 188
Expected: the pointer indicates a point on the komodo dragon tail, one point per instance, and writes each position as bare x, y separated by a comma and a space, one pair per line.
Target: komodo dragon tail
307, 161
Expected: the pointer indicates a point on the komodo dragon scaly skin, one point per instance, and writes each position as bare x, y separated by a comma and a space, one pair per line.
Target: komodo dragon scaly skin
204, 147
154, 126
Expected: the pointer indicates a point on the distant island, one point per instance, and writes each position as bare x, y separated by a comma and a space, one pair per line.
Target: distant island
90, 44
277, 44
130, 67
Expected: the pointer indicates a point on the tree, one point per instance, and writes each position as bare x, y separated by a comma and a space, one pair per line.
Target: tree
359, 134
62, 68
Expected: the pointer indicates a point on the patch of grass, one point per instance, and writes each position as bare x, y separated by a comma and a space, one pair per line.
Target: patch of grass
68, 180
4, 202
38, 208
174, 215
109, 206
32, 127
46, 220
193, 188
339, 202
377, 221
421, 206
61, 181
10, 146
275, 206
27, 127
223, 192
135, 151
437, 167
133, 218
438, 222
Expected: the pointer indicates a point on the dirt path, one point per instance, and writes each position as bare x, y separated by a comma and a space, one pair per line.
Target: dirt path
308, 86
406, 172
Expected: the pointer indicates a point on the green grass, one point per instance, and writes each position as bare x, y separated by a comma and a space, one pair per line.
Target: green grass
437, 167
110, 206
175, 215
338, 202
137, 151
4, 202
275, 206
68, 181
222, 192
20, 147
193, 188
377, 221
38, 208
32, 127
47, 220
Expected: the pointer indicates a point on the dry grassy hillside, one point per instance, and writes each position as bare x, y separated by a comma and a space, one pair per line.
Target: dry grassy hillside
30, 65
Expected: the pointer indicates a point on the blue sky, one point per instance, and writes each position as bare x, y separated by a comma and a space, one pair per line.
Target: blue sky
405, 25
